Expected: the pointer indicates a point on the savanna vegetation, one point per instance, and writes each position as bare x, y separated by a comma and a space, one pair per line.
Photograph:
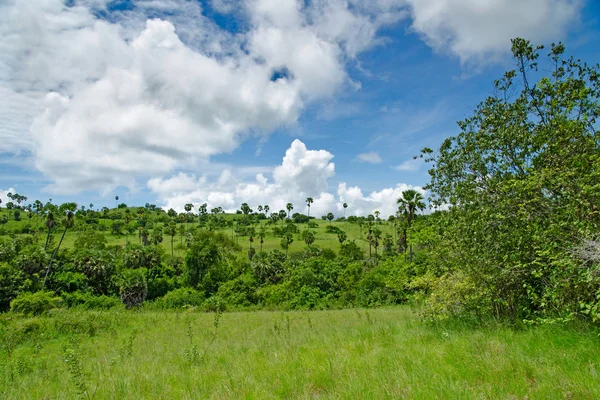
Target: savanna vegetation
505, 269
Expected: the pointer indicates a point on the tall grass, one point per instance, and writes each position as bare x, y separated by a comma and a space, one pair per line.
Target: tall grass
382, 353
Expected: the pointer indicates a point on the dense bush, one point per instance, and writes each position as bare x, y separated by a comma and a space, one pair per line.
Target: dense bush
88, 301
34, 303
179, 298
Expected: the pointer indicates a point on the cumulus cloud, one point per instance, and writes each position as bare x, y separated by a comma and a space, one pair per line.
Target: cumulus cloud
102, 98
134, 97
371, 157
409, 165
302, 173
480, 31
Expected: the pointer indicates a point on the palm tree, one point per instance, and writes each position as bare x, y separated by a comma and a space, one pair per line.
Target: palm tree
117, 201
68, 222
309, 201
172, 231
330, 217
261, 236
411, 202
289, 208
345, 206
286, 241
282, 215
308, 237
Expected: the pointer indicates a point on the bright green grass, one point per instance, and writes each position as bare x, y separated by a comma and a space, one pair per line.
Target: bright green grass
349, 354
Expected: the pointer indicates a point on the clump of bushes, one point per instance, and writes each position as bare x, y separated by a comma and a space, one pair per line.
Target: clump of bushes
35, 303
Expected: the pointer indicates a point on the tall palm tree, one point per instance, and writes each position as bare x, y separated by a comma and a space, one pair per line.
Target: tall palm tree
282, 215
261, 236
172, 231
411, 202
309, 201
289, 207
345, 206
117, 201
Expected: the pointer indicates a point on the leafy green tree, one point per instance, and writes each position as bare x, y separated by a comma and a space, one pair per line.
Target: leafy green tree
521, 182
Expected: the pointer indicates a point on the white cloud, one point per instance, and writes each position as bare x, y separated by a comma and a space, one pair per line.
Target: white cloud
480, 31
409, 165
371, 157
101, 103
132, 99
302, 173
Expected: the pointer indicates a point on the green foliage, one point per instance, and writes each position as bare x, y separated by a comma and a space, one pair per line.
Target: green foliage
522, 179
180, 298
12, 282
34, 303
133, 287
240, 292
88, 301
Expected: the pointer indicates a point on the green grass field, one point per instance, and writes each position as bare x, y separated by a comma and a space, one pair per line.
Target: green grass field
349, 354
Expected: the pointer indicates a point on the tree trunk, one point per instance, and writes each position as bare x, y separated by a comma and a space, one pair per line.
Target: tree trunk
47, 239
52, 257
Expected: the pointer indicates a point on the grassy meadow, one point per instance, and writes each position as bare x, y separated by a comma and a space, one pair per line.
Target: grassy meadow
348, 354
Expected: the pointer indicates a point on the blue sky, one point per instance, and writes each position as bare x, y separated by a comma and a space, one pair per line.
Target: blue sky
264, 101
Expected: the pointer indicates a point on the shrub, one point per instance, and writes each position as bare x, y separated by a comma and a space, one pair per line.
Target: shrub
88, 301
133, 287
240, 291
333, 229
214, 304
34, 303
184, 297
